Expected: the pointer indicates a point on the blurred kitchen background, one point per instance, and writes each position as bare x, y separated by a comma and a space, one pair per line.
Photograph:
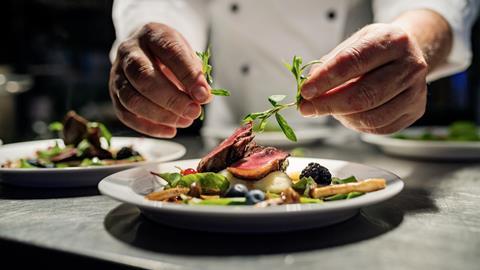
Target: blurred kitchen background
54, 57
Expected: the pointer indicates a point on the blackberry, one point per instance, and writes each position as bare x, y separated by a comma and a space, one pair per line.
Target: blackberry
126, 152
320, 174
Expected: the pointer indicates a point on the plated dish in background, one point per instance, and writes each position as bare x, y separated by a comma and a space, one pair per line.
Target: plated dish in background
84, 162
459, 141
241, 186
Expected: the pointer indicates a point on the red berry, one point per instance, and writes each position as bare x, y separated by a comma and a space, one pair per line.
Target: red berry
188, 171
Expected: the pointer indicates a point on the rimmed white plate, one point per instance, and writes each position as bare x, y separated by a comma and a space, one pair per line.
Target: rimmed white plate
153, 150
422, 149
248, 218
274, 138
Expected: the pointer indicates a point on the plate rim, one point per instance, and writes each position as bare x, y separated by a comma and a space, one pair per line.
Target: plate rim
396, 187
174, 156
387, 140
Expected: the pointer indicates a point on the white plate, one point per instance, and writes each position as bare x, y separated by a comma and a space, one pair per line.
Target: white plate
151, 149
435, 150
274, 138
247, 218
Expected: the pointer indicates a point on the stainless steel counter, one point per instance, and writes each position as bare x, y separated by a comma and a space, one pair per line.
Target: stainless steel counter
433, 224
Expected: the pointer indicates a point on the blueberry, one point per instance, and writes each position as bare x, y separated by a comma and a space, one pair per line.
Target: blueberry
237, 190
254, 196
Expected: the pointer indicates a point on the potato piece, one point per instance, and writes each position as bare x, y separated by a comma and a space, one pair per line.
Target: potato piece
274, 182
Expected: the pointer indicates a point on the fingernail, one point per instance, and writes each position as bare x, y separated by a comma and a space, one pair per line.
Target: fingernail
192, 111
309, 91
200, 94
307, 109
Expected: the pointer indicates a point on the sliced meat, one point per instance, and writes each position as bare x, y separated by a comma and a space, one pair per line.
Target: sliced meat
74, 128
259, 162
229, 151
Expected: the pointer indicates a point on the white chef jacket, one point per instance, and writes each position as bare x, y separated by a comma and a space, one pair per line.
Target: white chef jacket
250, 40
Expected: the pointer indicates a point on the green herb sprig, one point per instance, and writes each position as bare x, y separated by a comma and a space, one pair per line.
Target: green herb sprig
297, 69
207, 71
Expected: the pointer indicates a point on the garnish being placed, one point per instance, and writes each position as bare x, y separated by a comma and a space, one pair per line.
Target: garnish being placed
240, 172
84, 144
297, 69
207, 71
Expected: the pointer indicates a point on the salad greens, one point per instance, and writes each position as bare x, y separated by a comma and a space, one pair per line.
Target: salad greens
458, 131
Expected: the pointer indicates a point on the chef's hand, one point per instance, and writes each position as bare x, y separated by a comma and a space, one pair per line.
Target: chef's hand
375, 80
156, 82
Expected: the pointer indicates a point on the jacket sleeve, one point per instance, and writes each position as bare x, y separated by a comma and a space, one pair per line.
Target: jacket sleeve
460, 14
187, 17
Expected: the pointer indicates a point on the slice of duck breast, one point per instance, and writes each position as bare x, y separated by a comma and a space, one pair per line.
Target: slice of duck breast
227, 152
259, 163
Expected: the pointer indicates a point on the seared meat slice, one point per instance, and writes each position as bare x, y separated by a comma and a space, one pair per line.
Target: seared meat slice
74, 128
259, 162
227, 152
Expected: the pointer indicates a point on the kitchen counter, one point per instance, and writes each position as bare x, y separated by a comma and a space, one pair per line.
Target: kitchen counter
434, 223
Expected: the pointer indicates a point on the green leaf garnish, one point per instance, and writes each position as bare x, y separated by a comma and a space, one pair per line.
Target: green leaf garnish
287, 130
55, 126
275, 99
297, 69
337, 181
220, 92
207, 71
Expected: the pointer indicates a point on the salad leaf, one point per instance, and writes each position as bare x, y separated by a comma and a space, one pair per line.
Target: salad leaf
211, 183
337, 181
310, 200
347, 196
171, 178
104, 132
304, 185
55, 126
354, 194
25, 164
50, 152
222, 201
91, 162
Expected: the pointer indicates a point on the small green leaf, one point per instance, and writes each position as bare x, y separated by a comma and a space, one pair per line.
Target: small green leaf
287, 130
105, 133
202, 114
337, 181
263, 124
251, 117
55, 126
220, 92
275, 99
354, 194
336, 197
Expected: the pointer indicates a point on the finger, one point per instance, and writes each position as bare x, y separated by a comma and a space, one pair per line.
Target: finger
406, 102
139, 124
173, 51
368, 92
143, 107
152, 83
365, 54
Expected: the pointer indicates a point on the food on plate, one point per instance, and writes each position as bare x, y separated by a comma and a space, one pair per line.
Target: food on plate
83, 144
457, 131
240, 172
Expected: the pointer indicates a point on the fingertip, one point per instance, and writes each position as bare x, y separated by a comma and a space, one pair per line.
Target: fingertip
309, 91
200, 93
307, 109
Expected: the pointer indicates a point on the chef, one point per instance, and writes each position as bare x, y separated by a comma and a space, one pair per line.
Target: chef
376, 58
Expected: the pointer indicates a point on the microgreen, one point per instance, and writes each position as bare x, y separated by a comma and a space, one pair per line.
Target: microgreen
207, 71
297, 69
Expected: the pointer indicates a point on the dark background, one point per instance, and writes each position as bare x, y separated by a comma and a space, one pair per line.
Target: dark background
63, 45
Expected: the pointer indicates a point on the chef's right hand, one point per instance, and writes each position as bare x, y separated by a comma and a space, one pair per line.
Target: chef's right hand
156, 82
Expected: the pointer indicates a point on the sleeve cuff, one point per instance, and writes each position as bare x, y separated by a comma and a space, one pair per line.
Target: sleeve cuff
460, 16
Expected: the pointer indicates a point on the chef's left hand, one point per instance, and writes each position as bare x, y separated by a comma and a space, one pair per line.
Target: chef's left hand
372, 82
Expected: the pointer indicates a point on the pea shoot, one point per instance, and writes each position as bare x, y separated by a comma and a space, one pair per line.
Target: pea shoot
297, 69
207, 71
